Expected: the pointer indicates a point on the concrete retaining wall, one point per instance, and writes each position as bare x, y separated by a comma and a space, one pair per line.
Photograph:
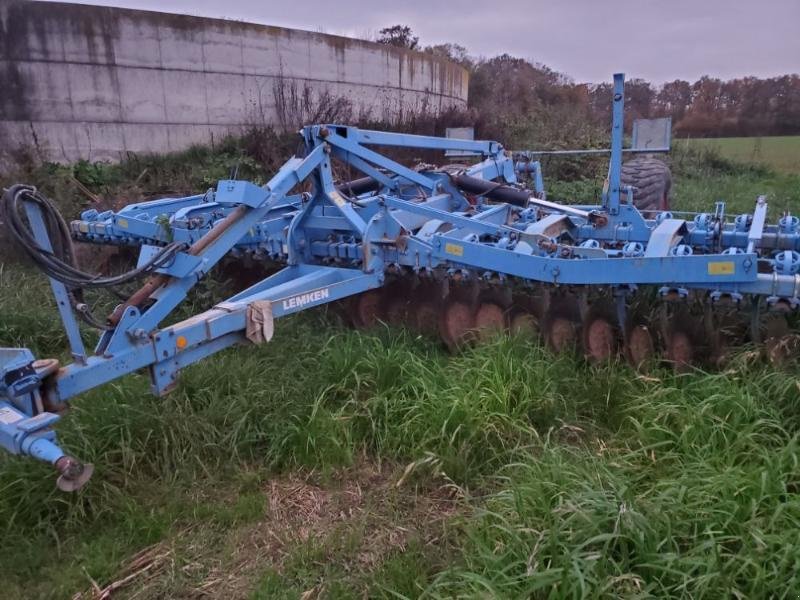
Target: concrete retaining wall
92, 82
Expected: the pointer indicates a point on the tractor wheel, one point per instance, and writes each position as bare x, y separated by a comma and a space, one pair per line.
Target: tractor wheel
652, 180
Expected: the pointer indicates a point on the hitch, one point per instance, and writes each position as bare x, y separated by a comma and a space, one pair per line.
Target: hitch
25, 427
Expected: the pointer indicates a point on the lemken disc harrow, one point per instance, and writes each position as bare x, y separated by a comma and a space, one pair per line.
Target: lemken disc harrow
460, 251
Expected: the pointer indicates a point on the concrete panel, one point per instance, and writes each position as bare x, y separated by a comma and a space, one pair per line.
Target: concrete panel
94, 93
225, 99
259, 53
376, 68
185, 97
363, 98
86, 40
353, 67
259, 102
142, 95
324, 61
293, 58
98, 82
184, 136
146, 138
218, 133
222, 50
137, 44
99, 141
181, 49
24, 148
29, 37
56, 141
47, 94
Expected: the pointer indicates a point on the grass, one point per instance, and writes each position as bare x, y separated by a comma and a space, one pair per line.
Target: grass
680, 503
703, 177
573, 480
337, 464
700, 178
781, 153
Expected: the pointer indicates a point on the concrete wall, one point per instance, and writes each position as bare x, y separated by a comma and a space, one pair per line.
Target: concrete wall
92, 82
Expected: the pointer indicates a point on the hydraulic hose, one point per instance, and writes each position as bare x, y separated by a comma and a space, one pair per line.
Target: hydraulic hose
498, 192
61, 262
359, 186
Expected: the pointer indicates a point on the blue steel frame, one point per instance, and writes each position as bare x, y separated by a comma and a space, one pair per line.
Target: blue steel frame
334, 246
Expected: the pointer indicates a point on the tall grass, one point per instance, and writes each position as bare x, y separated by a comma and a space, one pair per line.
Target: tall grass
695, 495
600, 482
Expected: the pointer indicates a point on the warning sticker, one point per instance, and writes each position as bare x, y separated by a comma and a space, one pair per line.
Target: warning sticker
9, 416
721, 268
454, 249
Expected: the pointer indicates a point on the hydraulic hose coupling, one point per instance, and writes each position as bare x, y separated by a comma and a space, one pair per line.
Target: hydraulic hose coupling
73, 474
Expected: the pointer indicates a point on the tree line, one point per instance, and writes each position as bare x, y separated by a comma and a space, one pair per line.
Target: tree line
508, 87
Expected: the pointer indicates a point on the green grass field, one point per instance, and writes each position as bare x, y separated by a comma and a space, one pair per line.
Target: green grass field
336, 464
702, 177
781, 153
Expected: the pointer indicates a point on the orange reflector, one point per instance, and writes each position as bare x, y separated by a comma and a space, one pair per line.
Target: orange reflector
181, 342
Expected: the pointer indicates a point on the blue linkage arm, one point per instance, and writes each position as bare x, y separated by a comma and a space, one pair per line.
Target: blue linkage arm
33, 392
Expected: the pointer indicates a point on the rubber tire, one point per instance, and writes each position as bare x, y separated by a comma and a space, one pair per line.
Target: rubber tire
652, 180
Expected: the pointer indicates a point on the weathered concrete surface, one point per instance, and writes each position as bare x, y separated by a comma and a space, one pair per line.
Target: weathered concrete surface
80, 81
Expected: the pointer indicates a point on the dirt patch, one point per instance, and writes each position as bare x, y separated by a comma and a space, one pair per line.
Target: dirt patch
352, 518
356, 517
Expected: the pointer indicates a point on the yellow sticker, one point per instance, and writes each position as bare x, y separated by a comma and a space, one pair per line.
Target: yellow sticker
122, 223
338, 199
454, 249
721, 268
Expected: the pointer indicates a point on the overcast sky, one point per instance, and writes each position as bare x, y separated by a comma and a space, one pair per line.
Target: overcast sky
659, 40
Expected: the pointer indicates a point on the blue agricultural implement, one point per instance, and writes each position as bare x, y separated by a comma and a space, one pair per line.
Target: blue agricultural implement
470, 248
